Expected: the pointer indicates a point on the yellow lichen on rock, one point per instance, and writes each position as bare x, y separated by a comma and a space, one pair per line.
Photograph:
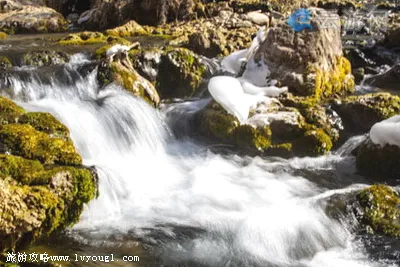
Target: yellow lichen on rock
131, 28
381, 209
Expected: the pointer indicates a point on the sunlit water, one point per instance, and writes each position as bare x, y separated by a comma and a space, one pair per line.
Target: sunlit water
192, 205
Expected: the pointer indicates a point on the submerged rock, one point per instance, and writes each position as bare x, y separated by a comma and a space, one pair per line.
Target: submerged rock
45, 58
381, 209
5, 63
40, 194
392, 39
310, 62
360, 113
20, 18
388, 80
3, 35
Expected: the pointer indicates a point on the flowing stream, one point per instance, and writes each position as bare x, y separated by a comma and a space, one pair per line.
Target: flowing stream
187, 203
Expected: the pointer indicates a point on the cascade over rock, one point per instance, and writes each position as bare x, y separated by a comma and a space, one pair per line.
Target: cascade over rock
43, 184
120, 70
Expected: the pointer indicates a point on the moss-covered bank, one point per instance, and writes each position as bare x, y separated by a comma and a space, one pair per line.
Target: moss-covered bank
43, 184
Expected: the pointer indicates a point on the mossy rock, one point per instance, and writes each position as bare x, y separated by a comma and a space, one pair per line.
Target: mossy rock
392, 39
313, 143
131, 28
39, 193
30, 18
30, 212
122, 73
83, 38
380, 163
24, 140
20, 169
45, 58
181, 73
381, 209
3, 35
253, 138
46, 123
316, 114
9, 111
100, 53
360, 113
322, 84
5, 63
286, 136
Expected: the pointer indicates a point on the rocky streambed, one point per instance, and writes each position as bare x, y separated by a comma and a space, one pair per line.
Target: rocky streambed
167, 173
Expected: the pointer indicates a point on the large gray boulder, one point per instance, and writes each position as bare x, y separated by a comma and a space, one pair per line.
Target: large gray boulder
20, 18
310, 62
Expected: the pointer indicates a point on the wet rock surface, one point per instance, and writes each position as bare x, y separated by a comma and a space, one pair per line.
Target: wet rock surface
360, 113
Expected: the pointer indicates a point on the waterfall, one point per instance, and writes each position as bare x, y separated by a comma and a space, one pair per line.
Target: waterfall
196, 206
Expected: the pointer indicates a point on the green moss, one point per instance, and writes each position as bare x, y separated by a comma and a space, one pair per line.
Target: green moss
5, 63
127, 77
111, 40
101, 52
32, 211
313, 143
281, 138
39, 196
337, 81
129, 29
3, 35
9, 111
45, 58
7, 106
46, 123
217, 123
247, 136
18, 168
384, 105
299, 102
381, 207
83, 38
359, 113
24, 140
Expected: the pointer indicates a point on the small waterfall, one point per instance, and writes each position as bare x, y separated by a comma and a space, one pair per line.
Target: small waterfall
198, 207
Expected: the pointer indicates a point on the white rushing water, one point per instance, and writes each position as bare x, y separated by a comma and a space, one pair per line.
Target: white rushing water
242, 211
